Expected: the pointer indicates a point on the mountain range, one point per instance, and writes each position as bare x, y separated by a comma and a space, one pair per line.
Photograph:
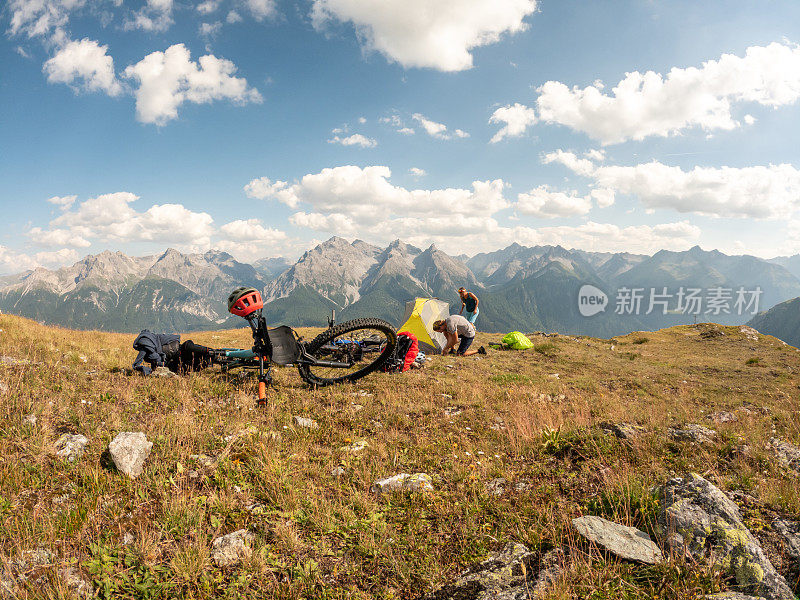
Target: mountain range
520, 288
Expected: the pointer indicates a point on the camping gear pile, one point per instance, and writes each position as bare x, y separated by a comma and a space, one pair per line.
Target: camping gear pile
514, 340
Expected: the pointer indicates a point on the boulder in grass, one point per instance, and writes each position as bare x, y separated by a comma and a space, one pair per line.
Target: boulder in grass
693, 433
732, 596
626, 542
305, 423
704, 524
129, 450
788, 454
418, 482
511, 574
624, 431
70, 447
231, 549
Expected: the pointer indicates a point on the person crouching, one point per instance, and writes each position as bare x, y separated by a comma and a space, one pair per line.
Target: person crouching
458, 332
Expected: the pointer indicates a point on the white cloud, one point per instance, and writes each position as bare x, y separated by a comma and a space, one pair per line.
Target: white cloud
110, 217
760, 192
261, 9
251, 230
545, 203
406, 131
18, 262
210, 30
170, 78
264, 188
233, 17
595, 155
581, 166
353, 140
417, 172
421, 33
651, 104
603, 196
62, 202
40, 18
437, 130
517, 119
155, 15
608, 237
84, 65
208, 7
58, 237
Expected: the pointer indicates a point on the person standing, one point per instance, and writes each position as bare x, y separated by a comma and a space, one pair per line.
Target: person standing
459, 331
469, 301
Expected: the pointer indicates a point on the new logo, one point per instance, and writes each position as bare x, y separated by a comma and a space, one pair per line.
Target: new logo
591, 300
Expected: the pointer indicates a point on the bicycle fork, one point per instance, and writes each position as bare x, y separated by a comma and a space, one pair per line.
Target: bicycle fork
264, 381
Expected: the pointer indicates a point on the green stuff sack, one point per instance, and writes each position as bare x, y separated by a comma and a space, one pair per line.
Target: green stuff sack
517, 341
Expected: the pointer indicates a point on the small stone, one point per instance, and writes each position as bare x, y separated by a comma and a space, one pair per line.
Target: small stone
257, 508
3, 388
626, 542
788, 454
452, 411
356, 407
723, 416
30, 419
693, 433
128, 539
496, 487
749, 333
77, 584
404, 482
247, 431
624, 431
554, 376
337, 472
229, 550
305, 422
203, 460
129, 450
523, 485
163, 372
70, 447
732, 596
356, 446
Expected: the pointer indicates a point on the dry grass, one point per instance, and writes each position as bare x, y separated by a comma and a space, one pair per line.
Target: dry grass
320, 536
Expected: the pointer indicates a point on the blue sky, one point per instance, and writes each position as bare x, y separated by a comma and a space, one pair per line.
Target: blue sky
466, 123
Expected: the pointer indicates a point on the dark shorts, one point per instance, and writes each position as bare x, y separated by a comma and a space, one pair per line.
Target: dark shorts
464, 344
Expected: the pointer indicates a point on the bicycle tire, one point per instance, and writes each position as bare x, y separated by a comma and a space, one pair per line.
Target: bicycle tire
327, 336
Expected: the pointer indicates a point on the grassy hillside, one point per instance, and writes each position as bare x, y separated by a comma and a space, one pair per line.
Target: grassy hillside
532, 418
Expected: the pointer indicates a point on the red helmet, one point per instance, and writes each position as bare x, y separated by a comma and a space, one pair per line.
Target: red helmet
244, 301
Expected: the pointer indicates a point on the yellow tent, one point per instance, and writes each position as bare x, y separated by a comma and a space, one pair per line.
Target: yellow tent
419, 318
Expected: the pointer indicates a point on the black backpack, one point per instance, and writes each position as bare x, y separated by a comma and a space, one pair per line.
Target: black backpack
406, 344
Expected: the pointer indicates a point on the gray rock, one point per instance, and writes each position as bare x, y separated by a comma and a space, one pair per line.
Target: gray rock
693, 433
163, 372
129, 450
231, 549
788, 454
418, 482
3, 388
356, 446
70, 447
451, 411
750, 333
511, 574
30, 419
624, 431
790, 532
203, 460
496, 487
337, 472
723, 416
732, 596
703, 523
75, 583
305, 422
626, 542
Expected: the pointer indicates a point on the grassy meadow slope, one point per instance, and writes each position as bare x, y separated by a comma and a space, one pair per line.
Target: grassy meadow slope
530, 417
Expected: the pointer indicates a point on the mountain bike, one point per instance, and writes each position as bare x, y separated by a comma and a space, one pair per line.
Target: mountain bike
343, 353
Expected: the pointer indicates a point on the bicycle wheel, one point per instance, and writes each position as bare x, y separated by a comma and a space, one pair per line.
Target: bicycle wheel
353, 342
